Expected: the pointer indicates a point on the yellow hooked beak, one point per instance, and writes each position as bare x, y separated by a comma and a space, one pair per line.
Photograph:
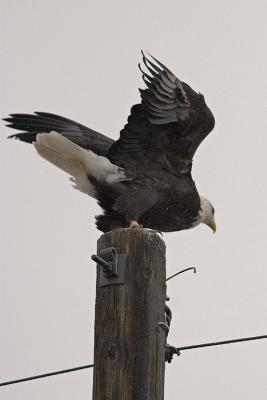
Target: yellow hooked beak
212, 224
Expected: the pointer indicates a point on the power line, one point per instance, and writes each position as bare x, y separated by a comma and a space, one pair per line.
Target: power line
195, 346
30, 378
171, 349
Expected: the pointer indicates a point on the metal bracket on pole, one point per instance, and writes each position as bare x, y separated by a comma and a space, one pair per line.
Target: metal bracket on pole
112, 267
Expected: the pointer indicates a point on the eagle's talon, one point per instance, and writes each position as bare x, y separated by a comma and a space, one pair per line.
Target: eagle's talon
135, 225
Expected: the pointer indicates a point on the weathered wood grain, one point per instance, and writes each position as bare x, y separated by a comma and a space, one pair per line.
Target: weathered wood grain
129, 360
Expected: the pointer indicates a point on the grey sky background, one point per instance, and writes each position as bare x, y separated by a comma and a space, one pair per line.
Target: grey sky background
79, 59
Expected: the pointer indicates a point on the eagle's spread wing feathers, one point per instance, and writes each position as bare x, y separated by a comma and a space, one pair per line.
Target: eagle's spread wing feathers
47, 122
167, 127
165, 99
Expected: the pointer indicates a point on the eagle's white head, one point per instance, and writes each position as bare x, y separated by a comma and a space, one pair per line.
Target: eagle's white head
206, 213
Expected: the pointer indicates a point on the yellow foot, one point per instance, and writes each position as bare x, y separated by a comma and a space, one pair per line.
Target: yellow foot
134, 224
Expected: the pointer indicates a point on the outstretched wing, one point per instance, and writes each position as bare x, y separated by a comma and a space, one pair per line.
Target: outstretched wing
43, 122
167, 126
165, 99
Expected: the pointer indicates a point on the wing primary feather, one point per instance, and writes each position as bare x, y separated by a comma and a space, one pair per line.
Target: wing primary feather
167, 81
156, 68
150, 78
160, 89
167, 88
169, 73
149, 84
163, 98
154, 73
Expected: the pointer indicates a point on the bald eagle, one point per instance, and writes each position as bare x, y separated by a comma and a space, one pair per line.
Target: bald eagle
144, 177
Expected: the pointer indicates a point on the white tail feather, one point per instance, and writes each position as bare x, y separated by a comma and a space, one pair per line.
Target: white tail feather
76, 161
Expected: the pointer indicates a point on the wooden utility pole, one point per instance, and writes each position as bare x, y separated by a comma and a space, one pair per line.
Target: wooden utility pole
129, 355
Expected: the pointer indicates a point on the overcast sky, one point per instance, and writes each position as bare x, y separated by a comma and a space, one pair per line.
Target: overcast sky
79, 59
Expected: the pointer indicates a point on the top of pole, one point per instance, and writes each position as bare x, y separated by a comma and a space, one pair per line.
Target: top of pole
148, 234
